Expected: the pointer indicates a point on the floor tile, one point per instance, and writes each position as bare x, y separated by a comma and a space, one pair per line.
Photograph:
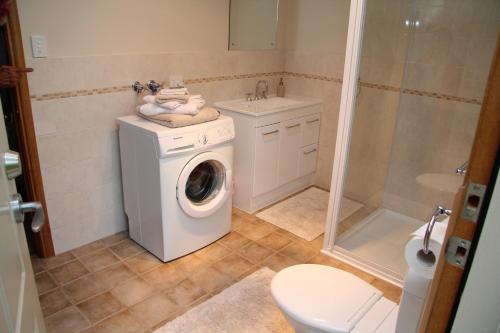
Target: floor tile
154, 309
65, 321
53, 301
100, 307
274, 241
116, 238
213, 252
299, 252
255, 231
132, 291
44, 282
84, 288
185, 293
165, 276
114, 274
255, 252
189, 263
99, 260
37, 264
126, 248
234, 241
233, 265
277, 262
68, 272
122, 322
58, 260
321, 259
210, 279
88, 248
142, 262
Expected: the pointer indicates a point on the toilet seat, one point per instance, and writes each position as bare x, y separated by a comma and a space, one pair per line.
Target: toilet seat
323, 297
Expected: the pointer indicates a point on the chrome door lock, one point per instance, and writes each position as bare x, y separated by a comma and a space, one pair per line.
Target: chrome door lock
19, 208
12, 164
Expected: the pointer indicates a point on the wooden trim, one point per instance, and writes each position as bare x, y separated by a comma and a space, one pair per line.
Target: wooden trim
444, 290
26, 132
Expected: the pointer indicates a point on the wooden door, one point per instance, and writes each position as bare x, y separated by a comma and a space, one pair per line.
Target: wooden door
445, 288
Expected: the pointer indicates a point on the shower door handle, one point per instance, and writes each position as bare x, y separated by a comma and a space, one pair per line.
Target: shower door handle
440, 211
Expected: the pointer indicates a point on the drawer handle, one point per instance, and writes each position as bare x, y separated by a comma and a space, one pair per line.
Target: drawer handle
269, 133
312, 121
292, 126
310, 151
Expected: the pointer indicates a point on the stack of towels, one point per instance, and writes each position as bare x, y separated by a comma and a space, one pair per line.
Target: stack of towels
175, 107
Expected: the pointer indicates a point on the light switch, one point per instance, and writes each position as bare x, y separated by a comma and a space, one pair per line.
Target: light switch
39, 46
175, 81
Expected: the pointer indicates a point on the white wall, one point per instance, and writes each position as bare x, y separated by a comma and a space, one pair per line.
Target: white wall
98, 27
479, 308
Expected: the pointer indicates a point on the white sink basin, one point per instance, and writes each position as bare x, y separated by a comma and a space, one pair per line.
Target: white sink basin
270, 103
267, 106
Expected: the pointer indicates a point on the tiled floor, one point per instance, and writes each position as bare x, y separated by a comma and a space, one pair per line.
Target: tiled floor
114, 285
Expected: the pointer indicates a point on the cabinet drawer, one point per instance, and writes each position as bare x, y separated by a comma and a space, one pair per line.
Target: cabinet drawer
308, 158
267, 146
310, 129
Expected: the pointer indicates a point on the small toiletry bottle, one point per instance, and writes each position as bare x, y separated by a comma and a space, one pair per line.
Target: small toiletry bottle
281, 89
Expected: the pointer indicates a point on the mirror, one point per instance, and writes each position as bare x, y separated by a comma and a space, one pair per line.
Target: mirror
253, 24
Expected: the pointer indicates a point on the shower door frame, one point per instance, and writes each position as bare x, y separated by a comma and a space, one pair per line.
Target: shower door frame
342, 145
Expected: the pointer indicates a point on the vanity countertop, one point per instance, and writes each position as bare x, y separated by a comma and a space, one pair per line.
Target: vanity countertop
271, 105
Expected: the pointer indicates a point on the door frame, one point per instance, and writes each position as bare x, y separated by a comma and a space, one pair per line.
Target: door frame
26, 131
446, 287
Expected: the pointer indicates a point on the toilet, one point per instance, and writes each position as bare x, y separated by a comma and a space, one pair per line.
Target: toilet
318, 298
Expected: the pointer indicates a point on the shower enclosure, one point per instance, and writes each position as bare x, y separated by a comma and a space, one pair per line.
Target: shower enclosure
414, 77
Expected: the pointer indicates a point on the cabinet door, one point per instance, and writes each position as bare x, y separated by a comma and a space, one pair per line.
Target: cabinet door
310, 132
290, 137
267, 145
308, 158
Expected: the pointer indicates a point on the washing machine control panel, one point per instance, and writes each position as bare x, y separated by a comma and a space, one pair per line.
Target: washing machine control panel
205, 137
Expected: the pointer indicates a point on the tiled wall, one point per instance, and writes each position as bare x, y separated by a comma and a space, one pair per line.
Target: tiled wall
75, 106
315, 45
448, 54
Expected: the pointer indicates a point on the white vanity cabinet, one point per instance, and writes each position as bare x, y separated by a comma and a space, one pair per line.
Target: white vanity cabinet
275, 152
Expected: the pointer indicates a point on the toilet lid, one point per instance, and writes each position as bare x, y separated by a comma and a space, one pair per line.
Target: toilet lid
323, 297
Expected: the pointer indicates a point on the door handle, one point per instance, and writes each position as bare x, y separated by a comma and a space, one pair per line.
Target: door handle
269, 133
20, 208
292, 126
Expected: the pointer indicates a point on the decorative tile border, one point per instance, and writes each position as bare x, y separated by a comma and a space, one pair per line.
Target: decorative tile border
442, 96
98, 91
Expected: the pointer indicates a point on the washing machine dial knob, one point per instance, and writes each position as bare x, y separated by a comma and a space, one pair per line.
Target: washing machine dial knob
203, 139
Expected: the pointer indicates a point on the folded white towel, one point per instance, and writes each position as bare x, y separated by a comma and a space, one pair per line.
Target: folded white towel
174, 91
150, 109
149, 99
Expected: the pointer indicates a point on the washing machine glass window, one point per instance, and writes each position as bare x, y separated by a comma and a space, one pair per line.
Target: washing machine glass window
204, 184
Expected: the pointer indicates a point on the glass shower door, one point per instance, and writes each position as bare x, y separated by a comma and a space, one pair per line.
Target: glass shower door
423, 68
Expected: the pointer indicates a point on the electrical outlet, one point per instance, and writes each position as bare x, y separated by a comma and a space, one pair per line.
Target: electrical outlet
39, 46
175, 81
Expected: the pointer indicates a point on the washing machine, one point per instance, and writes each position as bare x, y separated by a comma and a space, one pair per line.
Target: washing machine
177, 183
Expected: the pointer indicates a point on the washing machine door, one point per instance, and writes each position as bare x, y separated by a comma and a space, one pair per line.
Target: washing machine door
204, 184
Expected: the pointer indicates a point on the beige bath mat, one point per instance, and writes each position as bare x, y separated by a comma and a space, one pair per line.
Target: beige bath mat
246, 306
305, 213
